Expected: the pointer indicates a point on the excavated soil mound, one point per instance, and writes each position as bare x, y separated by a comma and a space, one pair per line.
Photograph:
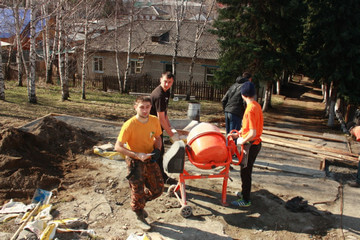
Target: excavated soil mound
39, 156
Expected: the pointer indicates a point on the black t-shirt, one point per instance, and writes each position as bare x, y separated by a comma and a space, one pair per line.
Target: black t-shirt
159, 100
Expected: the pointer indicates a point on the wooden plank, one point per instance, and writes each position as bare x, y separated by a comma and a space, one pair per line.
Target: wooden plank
322, 157
328, 149
310, 148
285, 135
305, 135
292, 150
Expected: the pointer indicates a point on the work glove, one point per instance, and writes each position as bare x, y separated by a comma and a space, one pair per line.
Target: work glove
175, 138
156, 155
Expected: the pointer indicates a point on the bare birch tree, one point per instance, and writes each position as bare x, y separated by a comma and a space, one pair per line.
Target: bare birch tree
2, 82
179, 18
61, 60
49, 40
130, 30
199, 32
32, 63
85, 46
331, 104
18, 26
118, 72
267, 96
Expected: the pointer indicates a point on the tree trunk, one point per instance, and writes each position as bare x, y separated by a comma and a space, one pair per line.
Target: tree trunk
2, 83
325, 91
267, 97
199, 31
350, 112
118, 73
60, 53
127, 70
278, 83
333, 96
32, 77
66, 71
179, 19
46, 46
18, 43
84, 57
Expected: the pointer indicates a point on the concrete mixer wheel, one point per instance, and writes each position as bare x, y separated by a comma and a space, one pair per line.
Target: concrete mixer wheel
186, 211
170, 191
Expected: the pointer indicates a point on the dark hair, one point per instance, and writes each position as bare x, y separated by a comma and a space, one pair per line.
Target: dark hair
142, 98
168, 75
246, 75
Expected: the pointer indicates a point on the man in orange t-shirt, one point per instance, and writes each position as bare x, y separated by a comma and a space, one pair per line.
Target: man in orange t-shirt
250, 133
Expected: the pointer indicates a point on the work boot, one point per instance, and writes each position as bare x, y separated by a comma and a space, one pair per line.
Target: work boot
141, 222
354, 184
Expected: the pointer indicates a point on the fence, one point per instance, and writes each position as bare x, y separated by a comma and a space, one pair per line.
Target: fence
144, 84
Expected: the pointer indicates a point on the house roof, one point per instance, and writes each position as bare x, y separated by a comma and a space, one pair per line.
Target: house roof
5, 44
144, 33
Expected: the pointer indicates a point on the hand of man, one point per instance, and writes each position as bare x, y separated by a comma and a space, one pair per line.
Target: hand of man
143, 156
240, 141
156, 155
175, 138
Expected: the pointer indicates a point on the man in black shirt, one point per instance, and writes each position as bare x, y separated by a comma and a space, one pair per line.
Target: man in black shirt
160, 100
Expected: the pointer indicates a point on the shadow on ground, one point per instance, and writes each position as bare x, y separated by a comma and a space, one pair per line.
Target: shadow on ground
268, 213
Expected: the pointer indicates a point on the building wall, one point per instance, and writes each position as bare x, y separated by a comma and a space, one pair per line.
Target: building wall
152, 66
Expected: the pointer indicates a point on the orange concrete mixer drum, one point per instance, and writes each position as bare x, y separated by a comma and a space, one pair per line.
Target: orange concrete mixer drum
208, 145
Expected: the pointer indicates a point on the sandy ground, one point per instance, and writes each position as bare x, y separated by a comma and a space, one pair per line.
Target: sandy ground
95, 190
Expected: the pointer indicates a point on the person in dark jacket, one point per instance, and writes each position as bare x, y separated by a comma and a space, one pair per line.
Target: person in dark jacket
233, 104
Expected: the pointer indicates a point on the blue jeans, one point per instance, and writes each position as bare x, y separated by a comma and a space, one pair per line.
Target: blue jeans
232, 122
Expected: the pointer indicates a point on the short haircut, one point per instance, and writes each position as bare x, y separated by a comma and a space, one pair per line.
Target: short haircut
246, 75
168, 75
141, 99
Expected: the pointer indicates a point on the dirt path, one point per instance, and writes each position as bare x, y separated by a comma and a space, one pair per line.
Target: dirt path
94, 189
302, 108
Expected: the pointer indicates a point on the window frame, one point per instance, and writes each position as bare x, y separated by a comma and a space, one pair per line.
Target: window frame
98, 66
210, 74
136, 65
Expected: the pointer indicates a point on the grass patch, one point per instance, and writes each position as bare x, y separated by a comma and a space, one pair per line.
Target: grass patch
98, 104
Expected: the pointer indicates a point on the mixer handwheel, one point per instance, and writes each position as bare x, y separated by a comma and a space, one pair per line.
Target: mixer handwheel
170, 191
186, 211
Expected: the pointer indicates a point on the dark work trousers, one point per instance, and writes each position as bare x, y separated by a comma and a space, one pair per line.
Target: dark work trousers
145, 181
358, 174
160, 159
245, 173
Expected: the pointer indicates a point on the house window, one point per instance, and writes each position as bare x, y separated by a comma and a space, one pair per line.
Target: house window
160, 37
209, 76
136, 65
98, 64
168, 67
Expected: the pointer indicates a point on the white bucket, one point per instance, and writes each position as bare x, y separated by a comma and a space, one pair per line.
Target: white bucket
194, 111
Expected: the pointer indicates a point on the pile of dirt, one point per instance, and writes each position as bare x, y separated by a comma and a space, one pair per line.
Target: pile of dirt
39, 157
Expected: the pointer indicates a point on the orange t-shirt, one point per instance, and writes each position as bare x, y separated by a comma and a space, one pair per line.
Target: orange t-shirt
253, 119
139, 137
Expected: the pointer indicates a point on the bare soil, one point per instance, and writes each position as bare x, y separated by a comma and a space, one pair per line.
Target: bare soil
58, 157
